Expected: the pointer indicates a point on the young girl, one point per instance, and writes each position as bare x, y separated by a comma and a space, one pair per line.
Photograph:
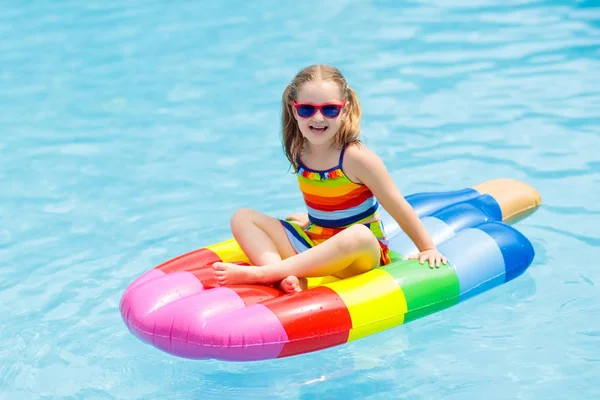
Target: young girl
343, 183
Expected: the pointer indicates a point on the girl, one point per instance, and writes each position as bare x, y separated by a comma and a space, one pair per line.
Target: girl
343, 183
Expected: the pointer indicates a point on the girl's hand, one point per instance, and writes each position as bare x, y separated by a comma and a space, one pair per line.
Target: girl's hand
299, 219
432, 255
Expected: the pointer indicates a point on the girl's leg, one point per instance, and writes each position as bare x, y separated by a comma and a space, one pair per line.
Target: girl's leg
262, 238
264, 242
350, 252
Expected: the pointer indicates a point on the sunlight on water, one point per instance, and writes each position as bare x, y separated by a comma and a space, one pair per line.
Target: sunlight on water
133, 130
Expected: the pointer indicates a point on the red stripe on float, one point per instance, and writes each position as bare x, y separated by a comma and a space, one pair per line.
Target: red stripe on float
314, 319
198, 262
192, 260
252, 294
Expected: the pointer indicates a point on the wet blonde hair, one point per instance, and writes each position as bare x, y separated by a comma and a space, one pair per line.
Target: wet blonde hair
349, 131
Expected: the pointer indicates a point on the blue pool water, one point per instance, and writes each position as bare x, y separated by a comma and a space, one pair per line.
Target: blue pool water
131, 131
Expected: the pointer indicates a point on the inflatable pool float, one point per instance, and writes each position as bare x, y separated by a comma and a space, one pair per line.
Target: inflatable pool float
177, 308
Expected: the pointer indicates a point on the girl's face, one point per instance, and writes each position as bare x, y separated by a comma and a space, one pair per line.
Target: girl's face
319, 128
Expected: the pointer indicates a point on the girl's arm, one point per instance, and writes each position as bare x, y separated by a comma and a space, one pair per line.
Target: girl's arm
364, 166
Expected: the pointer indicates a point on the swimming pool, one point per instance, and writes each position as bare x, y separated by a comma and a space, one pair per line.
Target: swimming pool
132, 131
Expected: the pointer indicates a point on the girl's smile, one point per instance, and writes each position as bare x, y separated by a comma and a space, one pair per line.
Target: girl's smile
317, 129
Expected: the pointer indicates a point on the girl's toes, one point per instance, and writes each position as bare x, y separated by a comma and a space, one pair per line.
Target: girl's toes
218, 266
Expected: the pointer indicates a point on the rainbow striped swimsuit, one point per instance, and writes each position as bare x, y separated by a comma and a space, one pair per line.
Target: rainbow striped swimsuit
334, 203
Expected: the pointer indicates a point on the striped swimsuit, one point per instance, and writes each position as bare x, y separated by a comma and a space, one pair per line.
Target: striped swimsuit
334, 203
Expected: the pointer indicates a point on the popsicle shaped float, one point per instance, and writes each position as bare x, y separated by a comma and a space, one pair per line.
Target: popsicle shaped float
177, 307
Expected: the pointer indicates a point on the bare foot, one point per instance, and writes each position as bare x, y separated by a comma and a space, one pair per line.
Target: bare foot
292, 284
232, 274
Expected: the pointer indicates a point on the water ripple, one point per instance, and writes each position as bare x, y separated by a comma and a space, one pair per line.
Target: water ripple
132, 131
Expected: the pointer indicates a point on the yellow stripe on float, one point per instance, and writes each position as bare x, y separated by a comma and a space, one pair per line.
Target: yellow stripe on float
229, 251
374, 300
321, 281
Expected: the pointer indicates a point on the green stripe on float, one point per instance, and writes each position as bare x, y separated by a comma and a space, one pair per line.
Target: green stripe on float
427, 290
395, 256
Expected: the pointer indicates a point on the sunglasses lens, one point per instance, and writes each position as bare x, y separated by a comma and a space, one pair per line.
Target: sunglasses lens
306, 111
331, 111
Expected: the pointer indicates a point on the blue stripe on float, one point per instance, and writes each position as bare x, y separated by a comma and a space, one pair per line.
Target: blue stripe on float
477, 259
516, 249
438, 230
427, 203
470, 210
470, 213
490, 206
442, 224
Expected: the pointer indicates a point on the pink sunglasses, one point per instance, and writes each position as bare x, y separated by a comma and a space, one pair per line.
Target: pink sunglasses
329, 110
